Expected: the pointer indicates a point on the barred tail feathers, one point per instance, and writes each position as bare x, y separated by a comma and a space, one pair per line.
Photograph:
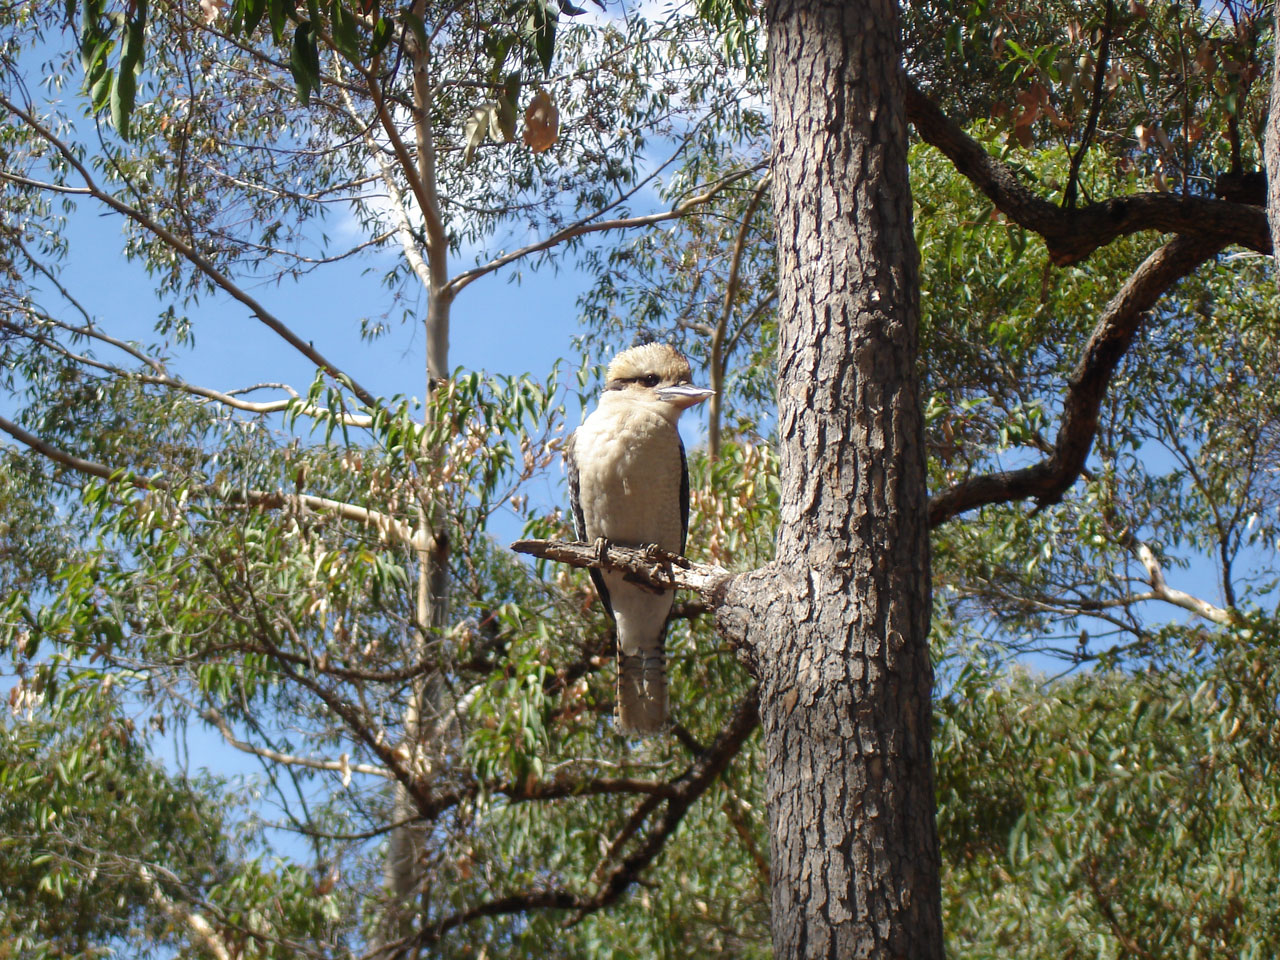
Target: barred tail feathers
642, 693
641, 617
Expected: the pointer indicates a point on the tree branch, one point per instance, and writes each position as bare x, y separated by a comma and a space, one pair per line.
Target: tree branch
202, 930
187, 251
228, 399
646, 565
1162, 591
1072, 234
88, 329
1095, 108
404, 230
686, 790
1049, 479
388, 527
343, 765
582, 228
719, 356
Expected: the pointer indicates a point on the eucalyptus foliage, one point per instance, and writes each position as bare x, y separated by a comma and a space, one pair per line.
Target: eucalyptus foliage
258, 570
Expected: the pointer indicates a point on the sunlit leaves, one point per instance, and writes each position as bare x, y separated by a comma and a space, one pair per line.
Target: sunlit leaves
357, 32
94, 833
113, 86
1123, 811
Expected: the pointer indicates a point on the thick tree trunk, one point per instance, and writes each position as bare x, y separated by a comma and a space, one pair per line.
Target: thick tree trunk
839, 624
1271, 146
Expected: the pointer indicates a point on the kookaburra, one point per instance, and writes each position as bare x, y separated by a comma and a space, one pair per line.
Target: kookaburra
628, 484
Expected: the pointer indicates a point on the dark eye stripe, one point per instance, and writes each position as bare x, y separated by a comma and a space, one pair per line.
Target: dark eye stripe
649, 380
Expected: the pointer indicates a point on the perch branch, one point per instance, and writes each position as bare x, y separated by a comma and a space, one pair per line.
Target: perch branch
646, 565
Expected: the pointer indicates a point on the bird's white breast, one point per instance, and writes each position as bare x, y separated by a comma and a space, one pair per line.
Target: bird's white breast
629, 475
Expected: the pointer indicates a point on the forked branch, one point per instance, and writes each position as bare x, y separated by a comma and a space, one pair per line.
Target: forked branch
612, 883
1072, 234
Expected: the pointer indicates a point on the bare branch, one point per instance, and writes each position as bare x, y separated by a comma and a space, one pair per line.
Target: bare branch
88, 328
647, 565
404, 230
229, 398
343, 765
186, 250
1161, 590
582, 228
719, 356
1095, 108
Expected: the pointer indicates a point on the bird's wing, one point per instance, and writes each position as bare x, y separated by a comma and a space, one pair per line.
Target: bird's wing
575, 504
684, 497
580, 522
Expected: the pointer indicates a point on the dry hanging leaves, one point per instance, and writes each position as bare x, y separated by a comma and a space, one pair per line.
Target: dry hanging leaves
541, 122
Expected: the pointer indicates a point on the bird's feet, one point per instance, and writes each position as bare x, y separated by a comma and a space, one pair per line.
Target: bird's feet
602, 550
663, 558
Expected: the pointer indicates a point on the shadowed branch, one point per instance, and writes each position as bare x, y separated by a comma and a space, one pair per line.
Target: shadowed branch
1071, 234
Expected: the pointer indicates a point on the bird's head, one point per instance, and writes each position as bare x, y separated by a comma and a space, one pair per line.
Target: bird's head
657, 375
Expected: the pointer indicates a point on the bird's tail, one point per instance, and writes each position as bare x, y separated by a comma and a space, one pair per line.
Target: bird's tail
642, 693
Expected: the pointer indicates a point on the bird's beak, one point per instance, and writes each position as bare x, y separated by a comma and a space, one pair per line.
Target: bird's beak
684, 396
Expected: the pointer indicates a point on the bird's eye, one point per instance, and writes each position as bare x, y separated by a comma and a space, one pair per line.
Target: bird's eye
651, 380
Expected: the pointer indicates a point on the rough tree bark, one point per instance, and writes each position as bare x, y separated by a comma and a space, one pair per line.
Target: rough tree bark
1271, 146
837, 626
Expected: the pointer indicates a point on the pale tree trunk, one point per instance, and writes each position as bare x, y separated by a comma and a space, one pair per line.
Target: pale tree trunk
404, 869
1271, 146
837, 627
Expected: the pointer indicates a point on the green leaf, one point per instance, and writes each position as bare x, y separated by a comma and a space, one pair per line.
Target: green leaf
304, 61
382, 34
254, 11
123, 92
277, 11
101, 93
345, 38
541, 30
506, 111
1019, 51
